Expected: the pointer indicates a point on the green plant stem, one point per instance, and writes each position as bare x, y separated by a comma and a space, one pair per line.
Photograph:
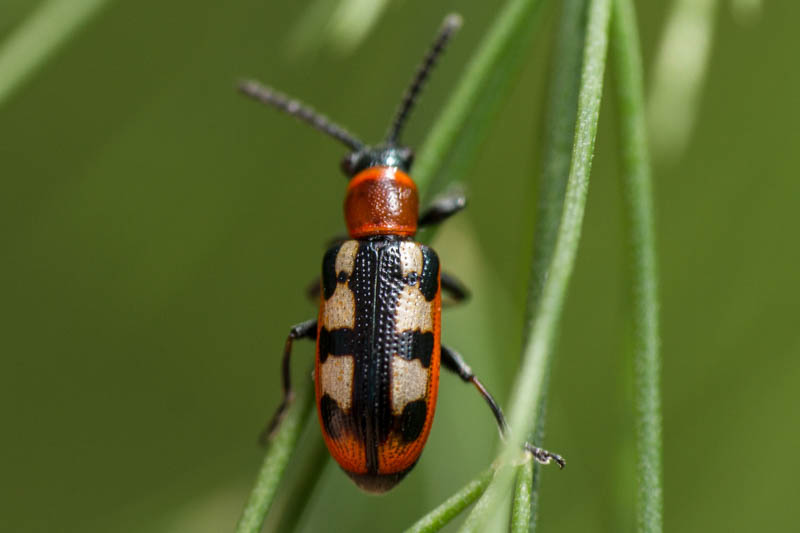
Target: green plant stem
506, 29
38, 37
450, 508
521, 508
487, 505
488, 76
275, 461
637, 187
559, 134
562, 108
537, 351
313, 457
490, 99
546, 317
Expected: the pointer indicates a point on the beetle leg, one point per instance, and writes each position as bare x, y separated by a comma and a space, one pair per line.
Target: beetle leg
543, 456
453, 362
456, 291
442, 208
303, 330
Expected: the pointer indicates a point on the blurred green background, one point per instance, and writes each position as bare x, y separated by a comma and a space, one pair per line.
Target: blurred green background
157, 232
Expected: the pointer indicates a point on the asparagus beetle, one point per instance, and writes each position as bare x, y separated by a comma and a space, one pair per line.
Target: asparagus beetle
378, 351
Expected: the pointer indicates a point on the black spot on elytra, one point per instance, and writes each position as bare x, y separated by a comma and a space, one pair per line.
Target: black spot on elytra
334, 420
342, 277
429, 283
412, 420
416, 345
336, 342
423, 347
376, 282
329, 271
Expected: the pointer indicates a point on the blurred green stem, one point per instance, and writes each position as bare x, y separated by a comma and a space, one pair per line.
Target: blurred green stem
352, 21
746, 11
538, 349
678, 74
275, 461
450, 508
637, 187
38, 37
509, 26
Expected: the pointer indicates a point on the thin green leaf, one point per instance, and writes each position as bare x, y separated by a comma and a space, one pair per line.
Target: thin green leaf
637, 187
538, 349
450, 508
562, 110
36, 39
522, 508
557, 148
275, 461
295, 495
488, 102
509, 26
543, 327
559, 134
487, 506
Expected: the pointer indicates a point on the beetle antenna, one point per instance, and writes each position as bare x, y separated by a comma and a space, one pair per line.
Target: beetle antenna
269, 96
450, 25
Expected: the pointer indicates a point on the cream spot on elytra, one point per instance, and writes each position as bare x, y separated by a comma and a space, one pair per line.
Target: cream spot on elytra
409, 382
410, 258
336, 375
413, 312
339, 311
346, 257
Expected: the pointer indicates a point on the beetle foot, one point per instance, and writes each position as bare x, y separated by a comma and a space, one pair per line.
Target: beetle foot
544, 457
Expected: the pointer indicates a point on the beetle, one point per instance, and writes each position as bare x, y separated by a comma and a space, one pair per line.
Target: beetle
378, 349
